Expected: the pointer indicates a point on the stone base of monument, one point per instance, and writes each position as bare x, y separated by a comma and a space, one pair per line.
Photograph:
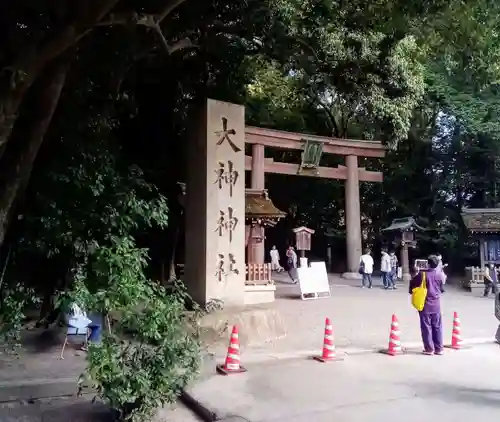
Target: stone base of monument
257, 294
256, 325
352, 276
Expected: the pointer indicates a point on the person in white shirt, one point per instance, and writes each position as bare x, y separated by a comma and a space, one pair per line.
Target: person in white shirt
77, 318
366, 268
385, 269
275, 259
440, 268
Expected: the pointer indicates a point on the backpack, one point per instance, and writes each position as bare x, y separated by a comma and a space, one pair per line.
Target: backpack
361, 267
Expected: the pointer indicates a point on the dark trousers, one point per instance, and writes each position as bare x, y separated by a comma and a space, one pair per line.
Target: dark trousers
490, 286
387, 279
95, 333
431, 328
367, 279
394, 275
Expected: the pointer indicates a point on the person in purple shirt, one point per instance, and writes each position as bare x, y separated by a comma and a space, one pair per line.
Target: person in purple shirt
431, 325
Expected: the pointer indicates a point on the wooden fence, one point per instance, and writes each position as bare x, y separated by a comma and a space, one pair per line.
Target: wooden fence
258, 274
474, 277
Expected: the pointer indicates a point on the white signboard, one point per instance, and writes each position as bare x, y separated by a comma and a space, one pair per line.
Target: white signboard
313, 281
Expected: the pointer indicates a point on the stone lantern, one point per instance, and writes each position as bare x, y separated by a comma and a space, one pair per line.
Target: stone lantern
404, 229
303, 242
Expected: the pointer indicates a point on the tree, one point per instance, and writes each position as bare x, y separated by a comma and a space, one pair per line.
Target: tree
31, 46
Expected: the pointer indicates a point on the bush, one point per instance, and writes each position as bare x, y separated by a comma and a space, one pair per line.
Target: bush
153, 351
13, 301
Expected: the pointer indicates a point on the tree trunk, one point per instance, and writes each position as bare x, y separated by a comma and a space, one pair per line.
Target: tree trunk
15, 173
25, 69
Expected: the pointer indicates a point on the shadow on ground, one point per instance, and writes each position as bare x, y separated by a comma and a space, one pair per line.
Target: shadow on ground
458, 393
58, 410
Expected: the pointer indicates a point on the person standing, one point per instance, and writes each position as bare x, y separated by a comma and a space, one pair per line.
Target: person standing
275, 259
394, 267
366, 268
431, 325
385, 269
490, 280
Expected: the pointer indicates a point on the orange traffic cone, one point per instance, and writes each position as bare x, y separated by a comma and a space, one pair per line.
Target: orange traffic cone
394, 339
328, 354
232, 364
456, 337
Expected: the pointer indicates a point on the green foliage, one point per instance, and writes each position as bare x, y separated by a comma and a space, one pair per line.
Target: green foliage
14, 300
151, 355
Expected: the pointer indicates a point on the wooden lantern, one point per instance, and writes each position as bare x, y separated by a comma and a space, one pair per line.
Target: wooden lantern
303, 238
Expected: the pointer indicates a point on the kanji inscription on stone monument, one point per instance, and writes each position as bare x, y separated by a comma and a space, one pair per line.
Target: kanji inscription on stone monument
232, 265
226, 222
220, 272
227, 176
224, 136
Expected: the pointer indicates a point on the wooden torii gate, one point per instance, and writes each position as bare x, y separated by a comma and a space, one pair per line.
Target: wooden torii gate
215, 197
261, 138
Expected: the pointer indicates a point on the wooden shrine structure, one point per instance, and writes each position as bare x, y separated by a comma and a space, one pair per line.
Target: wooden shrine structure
484, 225
215, 265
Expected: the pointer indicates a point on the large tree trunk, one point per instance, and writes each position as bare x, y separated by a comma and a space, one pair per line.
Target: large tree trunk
15, 172
21, 74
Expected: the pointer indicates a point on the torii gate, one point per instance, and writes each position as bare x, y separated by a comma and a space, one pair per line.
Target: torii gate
351, 173
215, 206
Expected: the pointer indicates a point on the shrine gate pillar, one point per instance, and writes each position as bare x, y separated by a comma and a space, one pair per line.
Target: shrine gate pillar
352, 217
256, 250
215, 206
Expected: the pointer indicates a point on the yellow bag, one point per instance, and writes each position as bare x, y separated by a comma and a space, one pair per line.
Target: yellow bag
419, 294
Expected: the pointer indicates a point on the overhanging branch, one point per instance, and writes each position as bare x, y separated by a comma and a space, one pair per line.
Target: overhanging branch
153, 22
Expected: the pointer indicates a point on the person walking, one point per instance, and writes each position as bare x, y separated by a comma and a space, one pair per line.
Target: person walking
441, 267
497, 315
291, 261
385, 269
394, 267
490, 280
366, 268
431, 325
275, 259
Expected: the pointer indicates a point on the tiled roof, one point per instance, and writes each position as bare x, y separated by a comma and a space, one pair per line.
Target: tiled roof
258, 205
402, 224
482, 220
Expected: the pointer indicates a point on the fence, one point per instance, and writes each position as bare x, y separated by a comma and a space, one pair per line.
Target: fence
258, 274
474, 277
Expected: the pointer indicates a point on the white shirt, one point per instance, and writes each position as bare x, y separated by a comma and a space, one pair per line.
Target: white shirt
385, 264
275, 255
77, 317
367, 261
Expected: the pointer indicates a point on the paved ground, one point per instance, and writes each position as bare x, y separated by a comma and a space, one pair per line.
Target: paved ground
361, 320
78, 410
362, 317
461, 385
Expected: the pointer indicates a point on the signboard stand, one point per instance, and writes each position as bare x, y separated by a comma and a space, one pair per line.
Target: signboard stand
313, 281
